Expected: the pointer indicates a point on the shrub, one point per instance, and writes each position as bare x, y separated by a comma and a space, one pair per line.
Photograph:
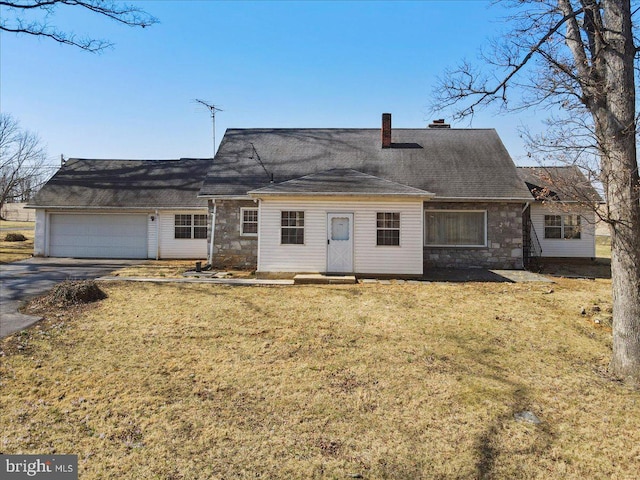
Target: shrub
14, 237
70, 293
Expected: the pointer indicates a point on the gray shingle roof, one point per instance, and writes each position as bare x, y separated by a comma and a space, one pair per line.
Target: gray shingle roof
567, 184
340, 181
125, 184
451, 163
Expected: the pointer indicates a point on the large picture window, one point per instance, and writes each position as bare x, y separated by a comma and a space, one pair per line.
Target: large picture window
388, 228
249, 222
190, 226
292, 228
562, 227
455, 228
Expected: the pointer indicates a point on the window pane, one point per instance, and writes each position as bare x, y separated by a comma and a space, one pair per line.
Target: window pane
572, 227
455, 228
249, 223
552, 221
250, 228
199, 232
339, 228
292, 236
183, 220
250, 215
552, 232
572, 233
571, 220
388, 228
200, 220
183, 232
388, 237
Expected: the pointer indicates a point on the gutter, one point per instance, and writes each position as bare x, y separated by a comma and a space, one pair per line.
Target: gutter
115, 207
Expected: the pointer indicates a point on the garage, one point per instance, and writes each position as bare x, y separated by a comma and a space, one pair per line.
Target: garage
98, 235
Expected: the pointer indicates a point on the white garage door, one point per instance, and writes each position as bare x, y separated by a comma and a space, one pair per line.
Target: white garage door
98, 236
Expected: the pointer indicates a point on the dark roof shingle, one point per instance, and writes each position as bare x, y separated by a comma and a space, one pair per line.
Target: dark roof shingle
565, 184
125, 184
451, 163
340, 181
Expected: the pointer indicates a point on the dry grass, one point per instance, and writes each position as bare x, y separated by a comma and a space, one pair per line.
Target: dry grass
168, 269
603, 246
157, 269
13, 251
366, 381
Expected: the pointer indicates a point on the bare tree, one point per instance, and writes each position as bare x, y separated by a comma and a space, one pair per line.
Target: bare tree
579, 59
22, 162
33, 17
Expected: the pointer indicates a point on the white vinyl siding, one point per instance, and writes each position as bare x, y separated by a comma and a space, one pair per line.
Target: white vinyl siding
584, 247
171, 247
40, 234
368, 257
116, 235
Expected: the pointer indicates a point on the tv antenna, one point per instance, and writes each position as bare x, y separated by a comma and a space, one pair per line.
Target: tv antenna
213, 109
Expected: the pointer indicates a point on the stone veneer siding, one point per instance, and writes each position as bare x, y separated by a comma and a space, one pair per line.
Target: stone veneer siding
504, 239
230, 249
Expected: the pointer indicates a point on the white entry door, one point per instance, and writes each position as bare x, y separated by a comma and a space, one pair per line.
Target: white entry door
340, 242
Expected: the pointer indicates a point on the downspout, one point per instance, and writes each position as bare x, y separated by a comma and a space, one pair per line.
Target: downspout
259, 201
157, 235
213, 231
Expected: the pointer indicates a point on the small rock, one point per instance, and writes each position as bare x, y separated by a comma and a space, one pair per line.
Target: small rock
596, 320
528, 417
595, 308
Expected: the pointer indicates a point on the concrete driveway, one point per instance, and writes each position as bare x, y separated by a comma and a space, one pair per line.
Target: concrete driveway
25, 279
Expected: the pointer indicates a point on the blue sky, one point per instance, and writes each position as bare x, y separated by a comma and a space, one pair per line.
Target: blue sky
266, 64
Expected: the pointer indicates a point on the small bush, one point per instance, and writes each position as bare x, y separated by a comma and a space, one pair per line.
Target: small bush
70, 293
14, 237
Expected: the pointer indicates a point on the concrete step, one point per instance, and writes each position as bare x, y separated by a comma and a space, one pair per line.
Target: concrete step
319, 279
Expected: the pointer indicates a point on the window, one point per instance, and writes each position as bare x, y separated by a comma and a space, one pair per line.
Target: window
190, 226
249, 222
455, 228
562, 227
388, 228
292, 228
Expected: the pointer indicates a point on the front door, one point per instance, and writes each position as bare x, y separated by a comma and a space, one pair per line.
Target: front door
340, 242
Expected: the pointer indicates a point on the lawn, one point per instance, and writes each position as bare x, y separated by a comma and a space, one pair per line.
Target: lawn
603, 246
366, 381
13, 251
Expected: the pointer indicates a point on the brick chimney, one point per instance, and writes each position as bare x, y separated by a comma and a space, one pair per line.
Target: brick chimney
386, 130
439, 124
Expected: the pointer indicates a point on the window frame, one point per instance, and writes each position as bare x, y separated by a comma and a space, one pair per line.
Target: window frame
243, 222
445, 210
563, 227
299, 216
191, 225
385, 228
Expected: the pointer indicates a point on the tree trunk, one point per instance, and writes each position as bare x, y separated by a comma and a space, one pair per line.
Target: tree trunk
617, 132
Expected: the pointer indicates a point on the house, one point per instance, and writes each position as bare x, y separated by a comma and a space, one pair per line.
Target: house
365, 201
377, 201
561, 223
123, 209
